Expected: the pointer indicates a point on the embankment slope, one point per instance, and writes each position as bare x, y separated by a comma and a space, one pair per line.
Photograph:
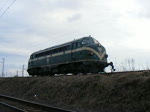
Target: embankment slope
128, 92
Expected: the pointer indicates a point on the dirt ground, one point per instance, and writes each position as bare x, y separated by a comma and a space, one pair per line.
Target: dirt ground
128, 92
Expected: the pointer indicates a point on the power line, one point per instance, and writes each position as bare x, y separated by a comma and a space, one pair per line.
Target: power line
4, 5
7, 8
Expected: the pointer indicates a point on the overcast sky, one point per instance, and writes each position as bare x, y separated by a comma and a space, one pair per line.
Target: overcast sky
122, 26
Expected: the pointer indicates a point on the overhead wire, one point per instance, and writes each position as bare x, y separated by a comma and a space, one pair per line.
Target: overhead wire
7, 8
3, 5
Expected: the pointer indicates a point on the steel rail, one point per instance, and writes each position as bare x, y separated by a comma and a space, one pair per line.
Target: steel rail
12, 108
35, 105
126, 72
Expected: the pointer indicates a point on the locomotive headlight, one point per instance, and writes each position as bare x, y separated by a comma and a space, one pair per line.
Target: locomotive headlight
99, 44
91, 53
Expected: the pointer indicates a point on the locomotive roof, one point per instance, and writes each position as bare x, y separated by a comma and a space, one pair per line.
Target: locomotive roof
60, 45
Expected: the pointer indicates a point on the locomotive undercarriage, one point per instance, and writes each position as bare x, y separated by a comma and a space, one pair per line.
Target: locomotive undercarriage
75, 68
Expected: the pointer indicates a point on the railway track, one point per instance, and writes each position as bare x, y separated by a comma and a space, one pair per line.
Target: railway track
11, 104
110, 73
4, 107
104, 73
128, 72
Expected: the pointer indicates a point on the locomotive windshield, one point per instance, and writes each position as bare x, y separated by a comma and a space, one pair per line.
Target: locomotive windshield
86, 41
95, 41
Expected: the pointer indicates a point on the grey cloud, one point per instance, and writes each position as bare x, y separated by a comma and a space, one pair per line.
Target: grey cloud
75, 17
144, 9
67, 4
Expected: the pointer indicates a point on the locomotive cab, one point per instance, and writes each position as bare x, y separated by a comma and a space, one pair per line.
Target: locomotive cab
97, 53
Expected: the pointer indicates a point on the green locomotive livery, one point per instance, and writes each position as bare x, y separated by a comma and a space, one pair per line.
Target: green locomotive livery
84, 55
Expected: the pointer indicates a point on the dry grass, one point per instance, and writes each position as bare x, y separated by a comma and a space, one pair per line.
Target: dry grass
111, 93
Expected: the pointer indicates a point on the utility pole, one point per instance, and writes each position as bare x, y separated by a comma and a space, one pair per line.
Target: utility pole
23, 70
17, 74
3, 62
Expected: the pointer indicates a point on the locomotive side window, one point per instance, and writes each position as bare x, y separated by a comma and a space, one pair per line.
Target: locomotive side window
68, 47
31, 57
75, 45
78, 44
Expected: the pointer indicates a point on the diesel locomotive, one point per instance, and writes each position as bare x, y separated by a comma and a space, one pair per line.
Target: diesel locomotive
84, 55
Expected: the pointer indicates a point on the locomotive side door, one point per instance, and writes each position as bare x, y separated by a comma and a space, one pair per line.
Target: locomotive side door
72, 52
